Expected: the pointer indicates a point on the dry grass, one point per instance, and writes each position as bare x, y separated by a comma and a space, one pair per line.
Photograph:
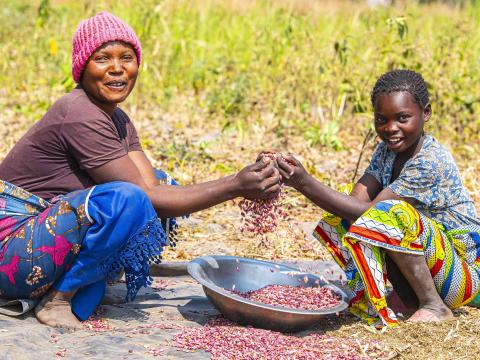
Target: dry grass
189, 127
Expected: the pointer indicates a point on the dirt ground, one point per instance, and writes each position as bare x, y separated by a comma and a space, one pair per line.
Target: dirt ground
218, 234
216, 231
145, 329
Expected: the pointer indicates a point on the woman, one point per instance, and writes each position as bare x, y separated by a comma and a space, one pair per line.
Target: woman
80, 200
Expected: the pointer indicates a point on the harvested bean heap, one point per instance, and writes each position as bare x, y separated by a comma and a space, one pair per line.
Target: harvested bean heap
226, 340
294, 297
96, 322
259, 217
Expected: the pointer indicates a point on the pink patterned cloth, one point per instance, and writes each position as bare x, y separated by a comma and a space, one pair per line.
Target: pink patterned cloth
58, 251
93, 32
7, 226
10, 269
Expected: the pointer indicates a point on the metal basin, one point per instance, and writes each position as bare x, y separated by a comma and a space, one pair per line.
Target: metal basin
217, 273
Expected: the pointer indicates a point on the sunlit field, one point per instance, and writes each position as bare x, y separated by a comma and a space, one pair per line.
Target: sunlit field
222, 80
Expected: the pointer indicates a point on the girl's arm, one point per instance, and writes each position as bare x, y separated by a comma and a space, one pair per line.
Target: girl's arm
367, 188
365, 194
260, 180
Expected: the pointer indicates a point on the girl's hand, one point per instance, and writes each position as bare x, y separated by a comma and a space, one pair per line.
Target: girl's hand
258, 181
292, 171
268, 155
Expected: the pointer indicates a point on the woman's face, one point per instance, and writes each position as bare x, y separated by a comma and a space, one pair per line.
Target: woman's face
110, 74
399, 120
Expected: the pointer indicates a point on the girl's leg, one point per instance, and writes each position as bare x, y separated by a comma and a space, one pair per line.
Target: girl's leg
415, 270
424, 253
330, 231
402, 299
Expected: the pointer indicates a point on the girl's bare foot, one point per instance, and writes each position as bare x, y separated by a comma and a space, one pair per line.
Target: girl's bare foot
414, 269
426, 314
398, 306
55, 310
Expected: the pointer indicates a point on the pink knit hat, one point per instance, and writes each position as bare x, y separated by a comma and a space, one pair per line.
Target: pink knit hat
93, 32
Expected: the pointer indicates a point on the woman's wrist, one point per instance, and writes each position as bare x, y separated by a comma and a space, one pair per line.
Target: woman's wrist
231, 187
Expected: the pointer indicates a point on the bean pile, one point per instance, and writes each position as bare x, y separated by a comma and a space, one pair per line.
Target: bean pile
97, 325
96, 322
294, 297
259, 217
226, 340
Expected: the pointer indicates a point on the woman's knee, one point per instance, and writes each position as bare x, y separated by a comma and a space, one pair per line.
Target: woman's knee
122, 195
132, 195
124, 189
129, 190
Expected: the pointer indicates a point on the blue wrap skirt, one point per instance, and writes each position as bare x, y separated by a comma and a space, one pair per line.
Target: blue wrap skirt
78, 241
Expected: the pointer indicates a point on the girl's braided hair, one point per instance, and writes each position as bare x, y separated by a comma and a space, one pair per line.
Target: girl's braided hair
402, 80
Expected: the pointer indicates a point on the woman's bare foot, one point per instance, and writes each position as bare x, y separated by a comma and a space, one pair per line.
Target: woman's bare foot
55, 310
430, 314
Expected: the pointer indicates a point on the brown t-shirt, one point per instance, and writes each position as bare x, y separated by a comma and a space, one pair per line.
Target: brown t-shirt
73, 136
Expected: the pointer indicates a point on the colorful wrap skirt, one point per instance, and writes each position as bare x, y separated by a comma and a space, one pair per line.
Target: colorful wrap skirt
453, 256
78, 240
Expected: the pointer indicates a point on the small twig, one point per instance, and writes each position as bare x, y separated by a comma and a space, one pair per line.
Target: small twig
322, 115
366, 140
452, 332
398, 352
392, 355
341, 108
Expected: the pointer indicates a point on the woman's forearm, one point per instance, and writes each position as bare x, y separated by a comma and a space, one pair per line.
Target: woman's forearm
171, 201
347, 207
256, 181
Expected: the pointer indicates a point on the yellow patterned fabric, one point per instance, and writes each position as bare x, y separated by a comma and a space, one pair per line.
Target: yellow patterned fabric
453, 256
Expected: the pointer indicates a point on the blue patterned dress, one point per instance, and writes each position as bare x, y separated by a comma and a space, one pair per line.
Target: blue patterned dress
432, 178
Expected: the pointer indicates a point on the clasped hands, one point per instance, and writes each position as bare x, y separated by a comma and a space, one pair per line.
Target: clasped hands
262, 179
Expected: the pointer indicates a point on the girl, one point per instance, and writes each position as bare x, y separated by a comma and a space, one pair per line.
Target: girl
80, 199
409, 216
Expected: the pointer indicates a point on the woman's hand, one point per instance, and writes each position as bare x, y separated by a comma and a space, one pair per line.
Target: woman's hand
292, 171
268, 155
258, 181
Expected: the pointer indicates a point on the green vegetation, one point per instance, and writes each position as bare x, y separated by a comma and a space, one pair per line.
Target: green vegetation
289, 74
223, 79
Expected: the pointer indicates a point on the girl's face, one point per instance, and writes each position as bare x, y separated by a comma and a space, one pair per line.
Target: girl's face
110, 75
399, 120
